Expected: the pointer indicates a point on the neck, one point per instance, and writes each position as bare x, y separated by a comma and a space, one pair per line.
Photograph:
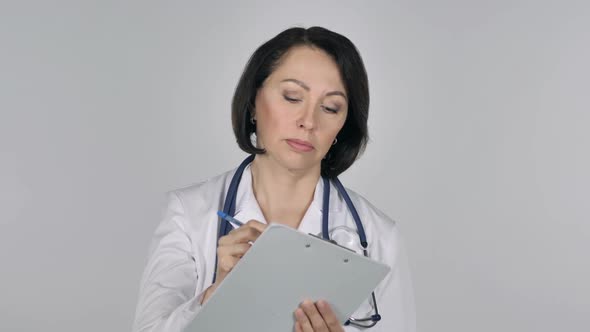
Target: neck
283, 195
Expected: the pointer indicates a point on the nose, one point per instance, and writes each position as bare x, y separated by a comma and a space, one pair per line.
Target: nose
307, 118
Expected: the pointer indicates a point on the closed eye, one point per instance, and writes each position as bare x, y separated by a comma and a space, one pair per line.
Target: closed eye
291, 100
330, 110
295, 100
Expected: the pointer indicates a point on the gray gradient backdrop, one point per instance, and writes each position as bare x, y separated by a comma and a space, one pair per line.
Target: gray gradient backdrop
480, 147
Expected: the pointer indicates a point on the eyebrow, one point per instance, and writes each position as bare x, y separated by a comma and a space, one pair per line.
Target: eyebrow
304, 86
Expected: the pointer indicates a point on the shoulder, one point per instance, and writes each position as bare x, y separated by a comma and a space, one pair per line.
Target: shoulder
383, 233
203, 196
377, 220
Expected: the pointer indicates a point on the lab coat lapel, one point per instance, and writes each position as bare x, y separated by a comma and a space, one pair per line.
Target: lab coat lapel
312, 220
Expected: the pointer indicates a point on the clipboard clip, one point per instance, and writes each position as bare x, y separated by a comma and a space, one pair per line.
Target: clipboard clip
331, 241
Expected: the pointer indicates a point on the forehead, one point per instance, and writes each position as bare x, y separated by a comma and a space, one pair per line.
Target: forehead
312, 66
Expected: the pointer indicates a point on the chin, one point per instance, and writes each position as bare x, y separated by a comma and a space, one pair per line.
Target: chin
298, 162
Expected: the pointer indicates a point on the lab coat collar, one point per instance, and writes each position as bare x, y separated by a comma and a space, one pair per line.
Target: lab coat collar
247, 207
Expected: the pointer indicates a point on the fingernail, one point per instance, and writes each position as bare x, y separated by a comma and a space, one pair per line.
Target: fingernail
299, 313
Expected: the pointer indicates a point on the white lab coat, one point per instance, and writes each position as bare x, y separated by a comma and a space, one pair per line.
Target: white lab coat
182, 255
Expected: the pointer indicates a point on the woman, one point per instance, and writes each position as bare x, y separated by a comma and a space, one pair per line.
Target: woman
301, 109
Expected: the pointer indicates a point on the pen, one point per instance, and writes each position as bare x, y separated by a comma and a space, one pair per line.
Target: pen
229, 218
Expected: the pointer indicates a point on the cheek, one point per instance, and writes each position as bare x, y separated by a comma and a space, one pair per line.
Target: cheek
329, 134
269, 116
331, 127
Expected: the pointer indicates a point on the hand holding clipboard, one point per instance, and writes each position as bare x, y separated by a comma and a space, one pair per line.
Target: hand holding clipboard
277, 273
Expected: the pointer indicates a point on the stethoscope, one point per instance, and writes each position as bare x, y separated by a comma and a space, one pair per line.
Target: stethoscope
229, 207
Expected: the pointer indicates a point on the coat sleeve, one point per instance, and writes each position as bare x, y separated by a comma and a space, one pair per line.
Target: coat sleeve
395, 296
167, 300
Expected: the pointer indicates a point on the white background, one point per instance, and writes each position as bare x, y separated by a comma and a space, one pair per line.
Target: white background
480, 147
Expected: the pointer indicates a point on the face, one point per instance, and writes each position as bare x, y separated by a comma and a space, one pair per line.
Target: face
300, 109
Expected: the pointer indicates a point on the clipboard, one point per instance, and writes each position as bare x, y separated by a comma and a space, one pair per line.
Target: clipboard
281, 269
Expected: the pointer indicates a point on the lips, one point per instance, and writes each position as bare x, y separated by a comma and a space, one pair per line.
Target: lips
299, 145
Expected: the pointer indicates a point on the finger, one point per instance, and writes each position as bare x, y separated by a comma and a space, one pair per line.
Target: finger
242, 234
257, 225
254, 224
298, 327
227, 263
303, 321
329, 316
237, 249
260, 227
317, 322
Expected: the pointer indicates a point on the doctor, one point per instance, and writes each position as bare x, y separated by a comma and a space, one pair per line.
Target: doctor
300, 108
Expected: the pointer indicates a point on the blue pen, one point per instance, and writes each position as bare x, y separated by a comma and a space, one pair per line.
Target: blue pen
229, 218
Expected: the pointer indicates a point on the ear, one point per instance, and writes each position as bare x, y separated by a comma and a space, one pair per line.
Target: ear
251, 108
253, 117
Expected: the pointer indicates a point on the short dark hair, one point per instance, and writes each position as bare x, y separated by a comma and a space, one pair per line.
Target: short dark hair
353, 137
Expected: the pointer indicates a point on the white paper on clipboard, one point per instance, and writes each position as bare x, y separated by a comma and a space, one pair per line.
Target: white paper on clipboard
281, 269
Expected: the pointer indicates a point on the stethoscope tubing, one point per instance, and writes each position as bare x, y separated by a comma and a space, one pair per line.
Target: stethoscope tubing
229, 207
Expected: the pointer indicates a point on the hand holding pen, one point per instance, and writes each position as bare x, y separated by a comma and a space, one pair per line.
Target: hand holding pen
310, 315
233, 246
